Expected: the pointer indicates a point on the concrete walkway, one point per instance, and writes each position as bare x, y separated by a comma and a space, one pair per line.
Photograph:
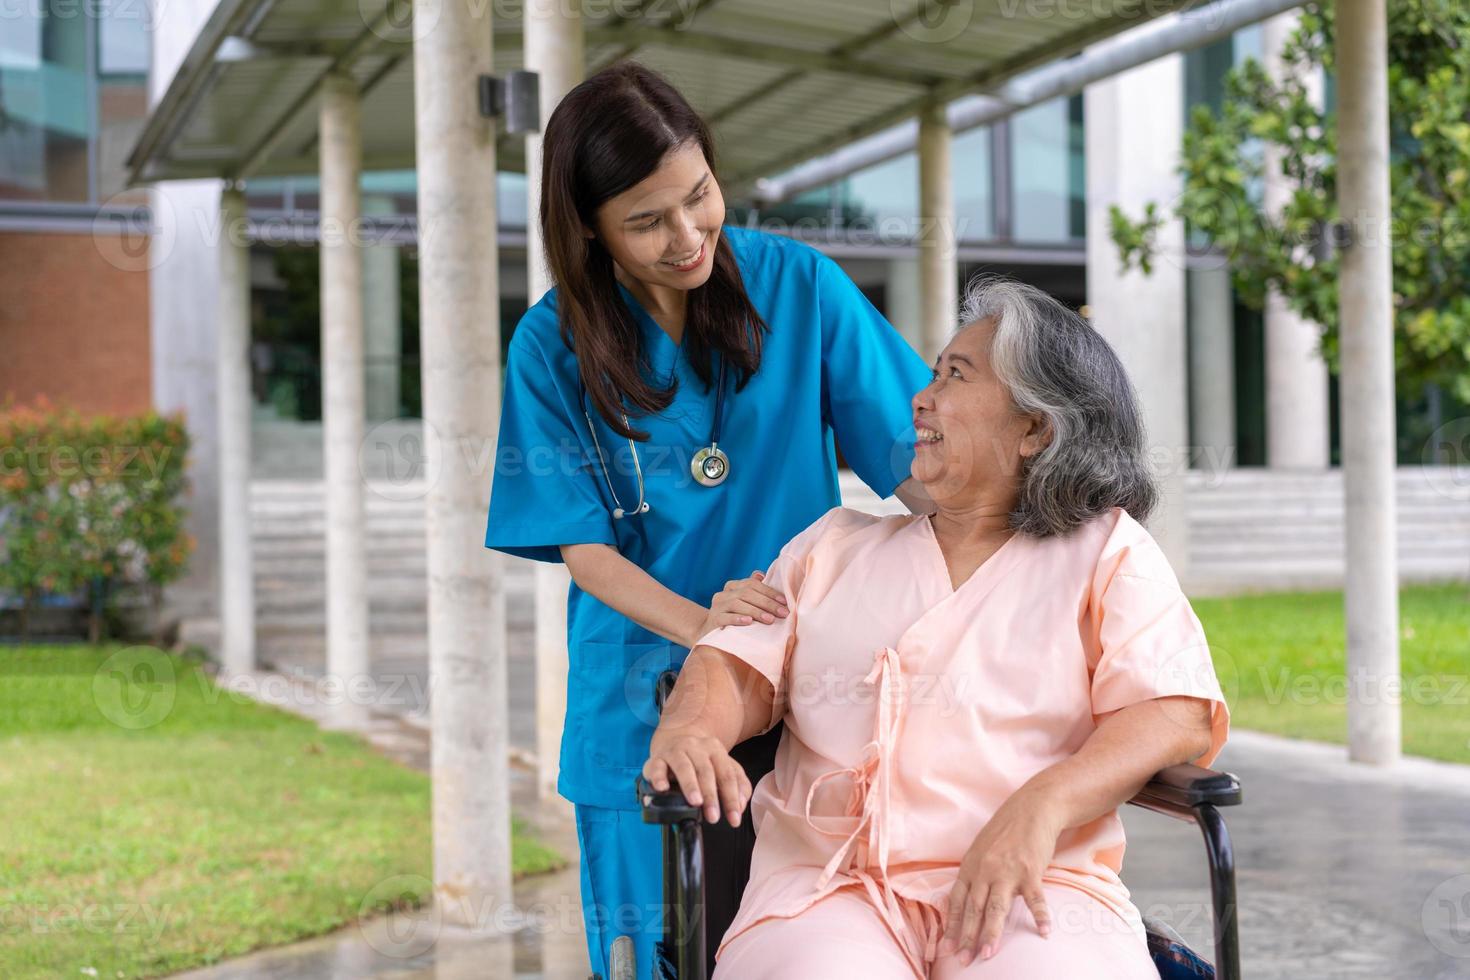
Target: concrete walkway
1344, 871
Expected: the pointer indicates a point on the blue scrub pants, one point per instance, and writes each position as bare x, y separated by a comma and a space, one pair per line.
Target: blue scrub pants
623, 878
622, 883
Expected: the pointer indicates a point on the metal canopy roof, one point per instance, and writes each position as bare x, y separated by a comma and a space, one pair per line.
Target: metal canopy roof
780, 81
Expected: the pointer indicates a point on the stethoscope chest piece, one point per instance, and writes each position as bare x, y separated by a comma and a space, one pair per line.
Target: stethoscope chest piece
710, 466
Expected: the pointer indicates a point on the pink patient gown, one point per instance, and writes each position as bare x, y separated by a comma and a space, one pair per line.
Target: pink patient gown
913, 710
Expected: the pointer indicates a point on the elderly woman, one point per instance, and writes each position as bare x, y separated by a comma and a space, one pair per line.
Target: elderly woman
968, 696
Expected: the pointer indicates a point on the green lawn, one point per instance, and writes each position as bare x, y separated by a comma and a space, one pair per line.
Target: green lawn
149, 822
1280, 660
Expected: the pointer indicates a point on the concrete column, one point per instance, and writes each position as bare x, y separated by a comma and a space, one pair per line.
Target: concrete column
232, 384
1297, 425
1365, 299
459, 324
939, 270
1134, 123
342, 399
554, 49
183, 278
905, 308
1211, 369
382, 318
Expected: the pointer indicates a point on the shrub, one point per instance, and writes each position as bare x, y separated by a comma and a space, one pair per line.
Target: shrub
90, 502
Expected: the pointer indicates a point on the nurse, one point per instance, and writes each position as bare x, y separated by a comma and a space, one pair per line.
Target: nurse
669, 420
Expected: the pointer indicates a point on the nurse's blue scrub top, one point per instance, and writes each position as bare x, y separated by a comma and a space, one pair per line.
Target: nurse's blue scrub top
831, 364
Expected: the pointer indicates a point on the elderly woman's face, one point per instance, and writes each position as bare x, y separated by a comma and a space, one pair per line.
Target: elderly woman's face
970, 435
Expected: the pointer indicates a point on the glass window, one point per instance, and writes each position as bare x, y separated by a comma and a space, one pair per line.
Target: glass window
122, 44
883, 199
1204, 75
510, 200
1046, 172
1077, 167
974, 207
73, 99
122, 95
302, 194
1248, 42
1204, 85
45, 115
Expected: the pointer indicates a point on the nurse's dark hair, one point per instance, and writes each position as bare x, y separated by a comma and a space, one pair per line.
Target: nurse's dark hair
1057, 367
606, 135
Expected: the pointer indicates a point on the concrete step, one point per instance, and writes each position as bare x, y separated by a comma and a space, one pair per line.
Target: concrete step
281, 648
305, 641
315, 526
1249, 528
272, 604
1225, 535
305, 566
1263, 559
1256, 576
307, 545
380, 620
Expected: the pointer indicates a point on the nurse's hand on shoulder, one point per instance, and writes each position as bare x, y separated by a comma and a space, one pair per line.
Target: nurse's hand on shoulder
744, 600
705, 772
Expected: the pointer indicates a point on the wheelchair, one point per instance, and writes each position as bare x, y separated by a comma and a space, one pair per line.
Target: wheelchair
1185, 792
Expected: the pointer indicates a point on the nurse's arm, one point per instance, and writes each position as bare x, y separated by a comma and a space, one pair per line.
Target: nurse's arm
911, 494
601, 571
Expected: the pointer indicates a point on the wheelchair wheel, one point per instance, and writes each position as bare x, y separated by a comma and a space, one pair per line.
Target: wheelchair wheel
622, 961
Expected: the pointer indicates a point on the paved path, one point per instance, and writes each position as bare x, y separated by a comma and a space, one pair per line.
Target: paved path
1344, 871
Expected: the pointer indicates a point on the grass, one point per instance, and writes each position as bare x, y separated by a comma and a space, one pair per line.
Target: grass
1280, 659
151, 822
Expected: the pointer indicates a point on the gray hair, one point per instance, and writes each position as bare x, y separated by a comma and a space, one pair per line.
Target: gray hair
1055, 365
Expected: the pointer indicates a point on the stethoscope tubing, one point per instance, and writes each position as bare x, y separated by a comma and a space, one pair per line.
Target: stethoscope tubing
710, 458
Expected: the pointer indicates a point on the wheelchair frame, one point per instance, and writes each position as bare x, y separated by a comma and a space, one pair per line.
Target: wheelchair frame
1185, 792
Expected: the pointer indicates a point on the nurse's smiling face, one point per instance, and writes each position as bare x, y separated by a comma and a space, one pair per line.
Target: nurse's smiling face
972, 440
662, 230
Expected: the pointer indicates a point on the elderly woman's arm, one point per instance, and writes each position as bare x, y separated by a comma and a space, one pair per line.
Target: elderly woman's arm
718, 702
1014, 848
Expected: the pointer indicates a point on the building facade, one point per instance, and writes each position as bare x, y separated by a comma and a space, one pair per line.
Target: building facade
107, 320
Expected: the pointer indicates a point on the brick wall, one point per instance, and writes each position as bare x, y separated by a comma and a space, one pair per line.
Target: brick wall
73, 322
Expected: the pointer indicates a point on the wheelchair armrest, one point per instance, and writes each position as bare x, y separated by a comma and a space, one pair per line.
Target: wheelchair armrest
665, 808
1188, 786
1194, 794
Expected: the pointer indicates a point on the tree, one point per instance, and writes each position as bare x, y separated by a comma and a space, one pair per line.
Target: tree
1295, 251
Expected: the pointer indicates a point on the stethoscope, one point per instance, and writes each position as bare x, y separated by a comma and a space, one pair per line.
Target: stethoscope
709, 466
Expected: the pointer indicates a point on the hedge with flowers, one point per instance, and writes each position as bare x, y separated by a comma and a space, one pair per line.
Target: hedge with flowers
90, 507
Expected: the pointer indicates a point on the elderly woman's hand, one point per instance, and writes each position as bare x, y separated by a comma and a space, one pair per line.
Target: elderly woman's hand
706, 773
1006, 860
